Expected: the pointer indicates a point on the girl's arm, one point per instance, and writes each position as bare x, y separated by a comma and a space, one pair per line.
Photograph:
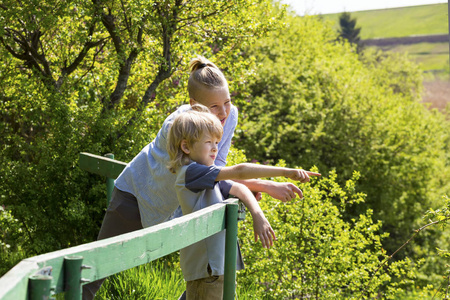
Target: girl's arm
261, 226
283, 191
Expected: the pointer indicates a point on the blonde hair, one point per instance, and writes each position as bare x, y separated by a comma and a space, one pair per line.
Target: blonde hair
204, 75
190, 126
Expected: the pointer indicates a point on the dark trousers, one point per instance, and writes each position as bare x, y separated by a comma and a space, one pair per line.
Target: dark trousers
122, 216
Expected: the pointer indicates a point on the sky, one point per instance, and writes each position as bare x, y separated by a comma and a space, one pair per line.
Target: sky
313, 7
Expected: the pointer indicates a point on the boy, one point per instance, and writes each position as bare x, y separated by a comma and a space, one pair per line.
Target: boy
192, 147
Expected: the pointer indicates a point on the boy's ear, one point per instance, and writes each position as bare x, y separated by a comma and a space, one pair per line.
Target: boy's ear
185, 147
192, 102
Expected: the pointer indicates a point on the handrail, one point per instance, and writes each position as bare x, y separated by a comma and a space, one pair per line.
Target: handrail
103, 166
106, 257
66, 270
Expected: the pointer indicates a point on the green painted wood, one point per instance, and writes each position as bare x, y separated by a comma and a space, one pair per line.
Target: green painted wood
101, 165
109, 183
72, 277
116, 254
110, 256
229, 284
40, 287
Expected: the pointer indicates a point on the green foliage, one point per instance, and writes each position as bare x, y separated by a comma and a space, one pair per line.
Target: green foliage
157, 280
348, 30
12, 239
100, 77
316, 103
318, 253
160, 279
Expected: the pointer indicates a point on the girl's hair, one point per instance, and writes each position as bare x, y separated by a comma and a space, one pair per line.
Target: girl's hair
204, 75
190, 126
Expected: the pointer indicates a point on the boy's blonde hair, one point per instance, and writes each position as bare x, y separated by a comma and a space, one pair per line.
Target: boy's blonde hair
190, 126
204, 75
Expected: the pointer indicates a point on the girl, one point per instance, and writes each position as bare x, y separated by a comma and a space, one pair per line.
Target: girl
144, 196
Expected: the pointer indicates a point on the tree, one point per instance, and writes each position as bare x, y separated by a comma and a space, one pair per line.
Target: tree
99, 76
349, 31
317, 103
54, 40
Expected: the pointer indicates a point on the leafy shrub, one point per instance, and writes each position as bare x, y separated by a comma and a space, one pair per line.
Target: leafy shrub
12, 239
316, 102
318, 253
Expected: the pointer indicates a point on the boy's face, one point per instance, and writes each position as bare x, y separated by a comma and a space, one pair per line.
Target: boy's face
218, 101
204, 151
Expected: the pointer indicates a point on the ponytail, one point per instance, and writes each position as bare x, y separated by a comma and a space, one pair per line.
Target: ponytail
204, 75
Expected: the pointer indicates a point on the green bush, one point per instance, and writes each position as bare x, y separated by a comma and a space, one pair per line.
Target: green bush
315, 102
318, 253
12, 239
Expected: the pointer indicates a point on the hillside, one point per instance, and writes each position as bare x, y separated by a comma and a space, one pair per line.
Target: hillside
404, 23
400, 22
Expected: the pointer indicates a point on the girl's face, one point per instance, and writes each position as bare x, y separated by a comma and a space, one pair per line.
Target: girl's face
218, 101
204, 151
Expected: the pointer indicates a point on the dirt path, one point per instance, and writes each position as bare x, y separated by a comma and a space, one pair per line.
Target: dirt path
437, 93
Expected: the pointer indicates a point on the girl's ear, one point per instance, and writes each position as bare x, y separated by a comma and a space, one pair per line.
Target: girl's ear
192, 102
185, 147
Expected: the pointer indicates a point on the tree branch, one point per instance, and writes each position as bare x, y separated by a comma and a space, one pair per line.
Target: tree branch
93, 62
166, 69
127, 24
193, 20
124, 64
30, 43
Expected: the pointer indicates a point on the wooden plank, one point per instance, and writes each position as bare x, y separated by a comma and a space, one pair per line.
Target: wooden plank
14, 284
116, 254
101, 165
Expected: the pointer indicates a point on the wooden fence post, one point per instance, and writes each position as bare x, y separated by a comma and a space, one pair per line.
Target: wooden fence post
39, 287
72, 277
109, 183
229, 284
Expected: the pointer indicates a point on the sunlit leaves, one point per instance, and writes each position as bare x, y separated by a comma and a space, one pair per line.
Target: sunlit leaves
75, 77
316, 102
319, 253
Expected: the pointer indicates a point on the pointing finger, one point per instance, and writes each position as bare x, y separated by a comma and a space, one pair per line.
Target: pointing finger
313, 173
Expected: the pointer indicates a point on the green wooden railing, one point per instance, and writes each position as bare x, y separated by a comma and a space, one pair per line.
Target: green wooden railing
65, 271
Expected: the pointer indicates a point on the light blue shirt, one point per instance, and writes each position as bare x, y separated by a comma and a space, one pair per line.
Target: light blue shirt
150, 181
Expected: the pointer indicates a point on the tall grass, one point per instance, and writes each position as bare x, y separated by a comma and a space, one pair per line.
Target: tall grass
159, 280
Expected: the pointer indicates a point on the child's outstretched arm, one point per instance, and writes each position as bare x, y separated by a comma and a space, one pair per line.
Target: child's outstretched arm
252, 171
261, 226
284, 191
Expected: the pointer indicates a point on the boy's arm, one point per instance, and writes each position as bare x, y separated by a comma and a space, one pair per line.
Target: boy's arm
251, 171
261, 226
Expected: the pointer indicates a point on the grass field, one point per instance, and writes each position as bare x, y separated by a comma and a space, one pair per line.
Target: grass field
432, 57
407, 21
399, 22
